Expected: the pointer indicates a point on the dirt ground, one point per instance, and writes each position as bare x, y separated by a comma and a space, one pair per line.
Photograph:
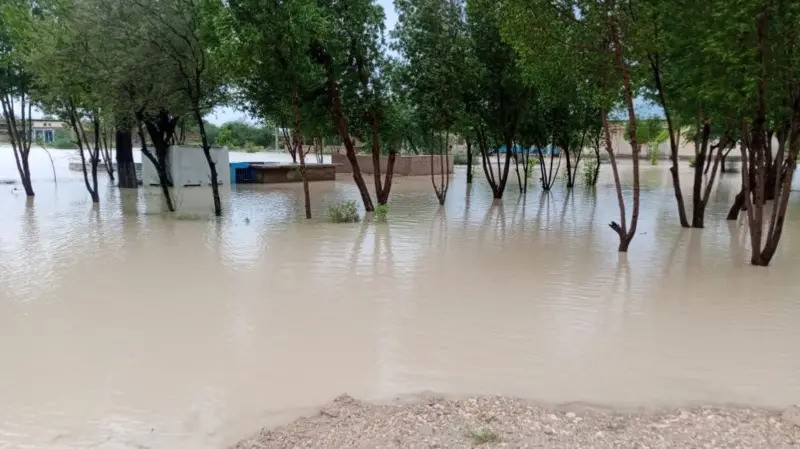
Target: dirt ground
498, 422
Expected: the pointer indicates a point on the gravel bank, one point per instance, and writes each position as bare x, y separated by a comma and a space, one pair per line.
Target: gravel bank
498, 422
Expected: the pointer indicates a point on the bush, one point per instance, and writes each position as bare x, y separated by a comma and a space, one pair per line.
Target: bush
63, 140
692, 162
381, 212
587, 173
532, 163
344, 212
653, 155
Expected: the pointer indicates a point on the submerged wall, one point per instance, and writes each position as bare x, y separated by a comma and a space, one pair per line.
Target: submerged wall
403, 165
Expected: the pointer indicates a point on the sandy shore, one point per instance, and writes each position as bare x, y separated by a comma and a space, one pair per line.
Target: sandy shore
498, 422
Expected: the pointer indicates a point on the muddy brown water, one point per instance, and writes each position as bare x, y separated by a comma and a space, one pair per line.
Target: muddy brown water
121, 329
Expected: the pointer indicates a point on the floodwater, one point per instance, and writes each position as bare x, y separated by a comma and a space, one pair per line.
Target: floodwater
121, 329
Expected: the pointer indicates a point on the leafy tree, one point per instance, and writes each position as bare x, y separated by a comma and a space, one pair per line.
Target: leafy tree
431, 39
185, 32
354, 65
589, 39
271, 41
64, 68
16, 83
500, 92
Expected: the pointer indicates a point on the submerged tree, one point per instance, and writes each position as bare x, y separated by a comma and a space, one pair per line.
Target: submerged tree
500, 92
351, 57
432, 42
590, 39
16, 84
185, 32
64, 68
270, 42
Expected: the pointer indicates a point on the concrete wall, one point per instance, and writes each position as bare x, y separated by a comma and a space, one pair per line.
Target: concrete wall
188, 167
272, 174
403, 165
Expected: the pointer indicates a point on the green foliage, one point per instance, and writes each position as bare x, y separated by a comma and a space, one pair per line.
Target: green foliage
240, 135
431, 38
268, 45
344, 212
532, 163
588, 172
381, 212
63, 140
651, 132
692, 162
653, 154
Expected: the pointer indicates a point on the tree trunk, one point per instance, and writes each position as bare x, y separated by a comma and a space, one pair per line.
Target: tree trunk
625, 236
383, 198
699, 195
95, 163
596, 173
25, 176
83, 147
340, 121
738, 205
20, 142
212, 166
298, 149
755, 142
570, 180
126, 167
304, 177
469, 162
444, 173
698, 208
158, 160
655, 65
620, 227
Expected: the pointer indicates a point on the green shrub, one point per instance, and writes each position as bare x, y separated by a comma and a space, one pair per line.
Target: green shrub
63, 140
381, 212
587, 173
692, 161
344, 212
653, 155
532, 163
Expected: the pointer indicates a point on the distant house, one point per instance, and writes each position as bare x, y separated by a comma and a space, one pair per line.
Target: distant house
45, 129
41, 129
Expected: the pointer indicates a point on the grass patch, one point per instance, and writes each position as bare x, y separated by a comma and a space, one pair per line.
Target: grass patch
344, 212
483, 436
381, 212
